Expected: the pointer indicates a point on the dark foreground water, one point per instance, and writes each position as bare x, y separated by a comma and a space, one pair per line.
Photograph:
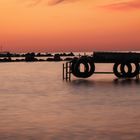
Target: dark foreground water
35, 104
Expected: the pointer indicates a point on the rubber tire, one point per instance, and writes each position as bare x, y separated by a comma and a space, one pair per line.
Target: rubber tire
126, 74
89, 68
115, 70
136, 72
73, 62
77, 68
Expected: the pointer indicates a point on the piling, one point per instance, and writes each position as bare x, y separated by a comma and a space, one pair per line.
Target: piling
137, 77
66, 71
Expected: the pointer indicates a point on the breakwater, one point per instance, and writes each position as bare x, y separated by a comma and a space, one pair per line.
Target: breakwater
35, 57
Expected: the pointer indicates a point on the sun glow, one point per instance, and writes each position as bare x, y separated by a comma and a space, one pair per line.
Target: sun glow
77, 25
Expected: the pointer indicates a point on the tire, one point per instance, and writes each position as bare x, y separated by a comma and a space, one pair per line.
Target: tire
116, 72
73, 62
136, 72
89, 67
124, 73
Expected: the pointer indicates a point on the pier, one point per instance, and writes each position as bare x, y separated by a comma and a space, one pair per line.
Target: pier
125, 65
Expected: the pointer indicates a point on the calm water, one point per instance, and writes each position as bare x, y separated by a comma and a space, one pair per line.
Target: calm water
35, 104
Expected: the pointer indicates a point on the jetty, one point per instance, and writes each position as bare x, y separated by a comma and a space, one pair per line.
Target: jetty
125, 65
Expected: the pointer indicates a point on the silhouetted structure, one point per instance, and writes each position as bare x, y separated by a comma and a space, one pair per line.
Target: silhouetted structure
30, 57
126, 64
34, 57
55, 58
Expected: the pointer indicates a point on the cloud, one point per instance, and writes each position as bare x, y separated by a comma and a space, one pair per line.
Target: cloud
130, 5
49, 2
54, 2
34, 2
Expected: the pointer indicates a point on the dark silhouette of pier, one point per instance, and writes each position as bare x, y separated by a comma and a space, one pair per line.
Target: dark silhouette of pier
125, 65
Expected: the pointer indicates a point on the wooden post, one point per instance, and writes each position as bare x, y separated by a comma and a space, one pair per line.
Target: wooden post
137, 77
66, 71
69, 71
63, 71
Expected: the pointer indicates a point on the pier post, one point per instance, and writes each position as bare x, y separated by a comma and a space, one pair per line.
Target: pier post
69, 71
63, 72
137, 77
66, 71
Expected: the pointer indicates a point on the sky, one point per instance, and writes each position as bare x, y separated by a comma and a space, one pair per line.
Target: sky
69, 25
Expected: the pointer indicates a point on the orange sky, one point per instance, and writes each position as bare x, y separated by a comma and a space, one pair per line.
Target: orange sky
69, 25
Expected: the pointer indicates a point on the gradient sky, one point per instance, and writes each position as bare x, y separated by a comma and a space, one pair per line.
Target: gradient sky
69, 25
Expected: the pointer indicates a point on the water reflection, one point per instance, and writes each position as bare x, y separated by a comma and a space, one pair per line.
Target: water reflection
116, 82
126, 81
82, 82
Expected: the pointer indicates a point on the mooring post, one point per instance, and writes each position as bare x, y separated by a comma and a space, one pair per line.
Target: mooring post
66, 71
69, 71
137, 77
63, 71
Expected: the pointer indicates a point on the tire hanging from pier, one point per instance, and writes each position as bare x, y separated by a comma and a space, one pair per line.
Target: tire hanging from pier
136, 71
126, 74
89, 67
123, 73
115, 70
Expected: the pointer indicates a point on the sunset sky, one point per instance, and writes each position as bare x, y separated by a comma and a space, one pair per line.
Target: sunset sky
69, 25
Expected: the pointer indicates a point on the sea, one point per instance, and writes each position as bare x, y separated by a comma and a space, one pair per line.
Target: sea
36, 104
